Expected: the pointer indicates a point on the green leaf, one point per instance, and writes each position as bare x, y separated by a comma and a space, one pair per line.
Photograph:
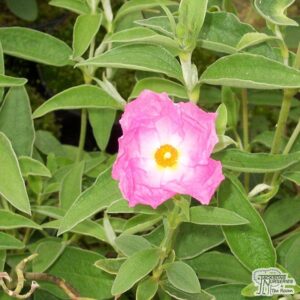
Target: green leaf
121, 207
281, 215
274, 11
284, 246
32, 167
190, 21
159, 85
10, 220
230, 291
251, 71
138, 5
193, 239
268, 98
130, 244
47, 143
82, 96
250, 243
293, 176
159, 23
85, 30
221, 122
140, 223
12, 186
86, 228
209, 215
134, 269
16, 121
143, 35
77, 6
232, 105
220, 267
146, 289
8, 81
253, 38
99, 196
48, 252
110, 265
178, 294
292, 261
76, 266
102, 121
27, 11
183, 277
9, 242
35, 46
237, 160
212, 35
71, 186
138, 57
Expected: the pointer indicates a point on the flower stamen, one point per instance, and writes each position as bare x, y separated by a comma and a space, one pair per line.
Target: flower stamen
166, 156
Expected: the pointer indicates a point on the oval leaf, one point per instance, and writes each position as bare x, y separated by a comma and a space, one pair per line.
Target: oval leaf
237, 160
77, 6
251, 71
159, 85
130, 244
183, 277
12, 186
274, 11
35, 46
138, 57
208, 215
30, 166
27, 11
9, 242
10, 220
16, 121
250, 243
85, 29
8, 81
220, 267
281, 215
48, 252
134, 269
99, 196
82, 96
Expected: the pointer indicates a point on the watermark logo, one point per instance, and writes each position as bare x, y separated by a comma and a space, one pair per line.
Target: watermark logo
271, 281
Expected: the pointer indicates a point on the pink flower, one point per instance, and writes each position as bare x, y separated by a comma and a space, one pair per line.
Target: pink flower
165, 150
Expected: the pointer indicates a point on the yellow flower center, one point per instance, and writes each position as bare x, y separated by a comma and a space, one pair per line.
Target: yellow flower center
166, 156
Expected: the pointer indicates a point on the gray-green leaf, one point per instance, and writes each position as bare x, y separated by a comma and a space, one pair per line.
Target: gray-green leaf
183, 277
35, 46
138, 57
12, 186
82, 96
274, 11
251, 71
134, 269
250, 243
209, 215
16, 121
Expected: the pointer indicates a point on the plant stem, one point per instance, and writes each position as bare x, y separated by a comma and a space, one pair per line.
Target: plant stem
167, 243
281, 124
292, 139
82, 137
245, 119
